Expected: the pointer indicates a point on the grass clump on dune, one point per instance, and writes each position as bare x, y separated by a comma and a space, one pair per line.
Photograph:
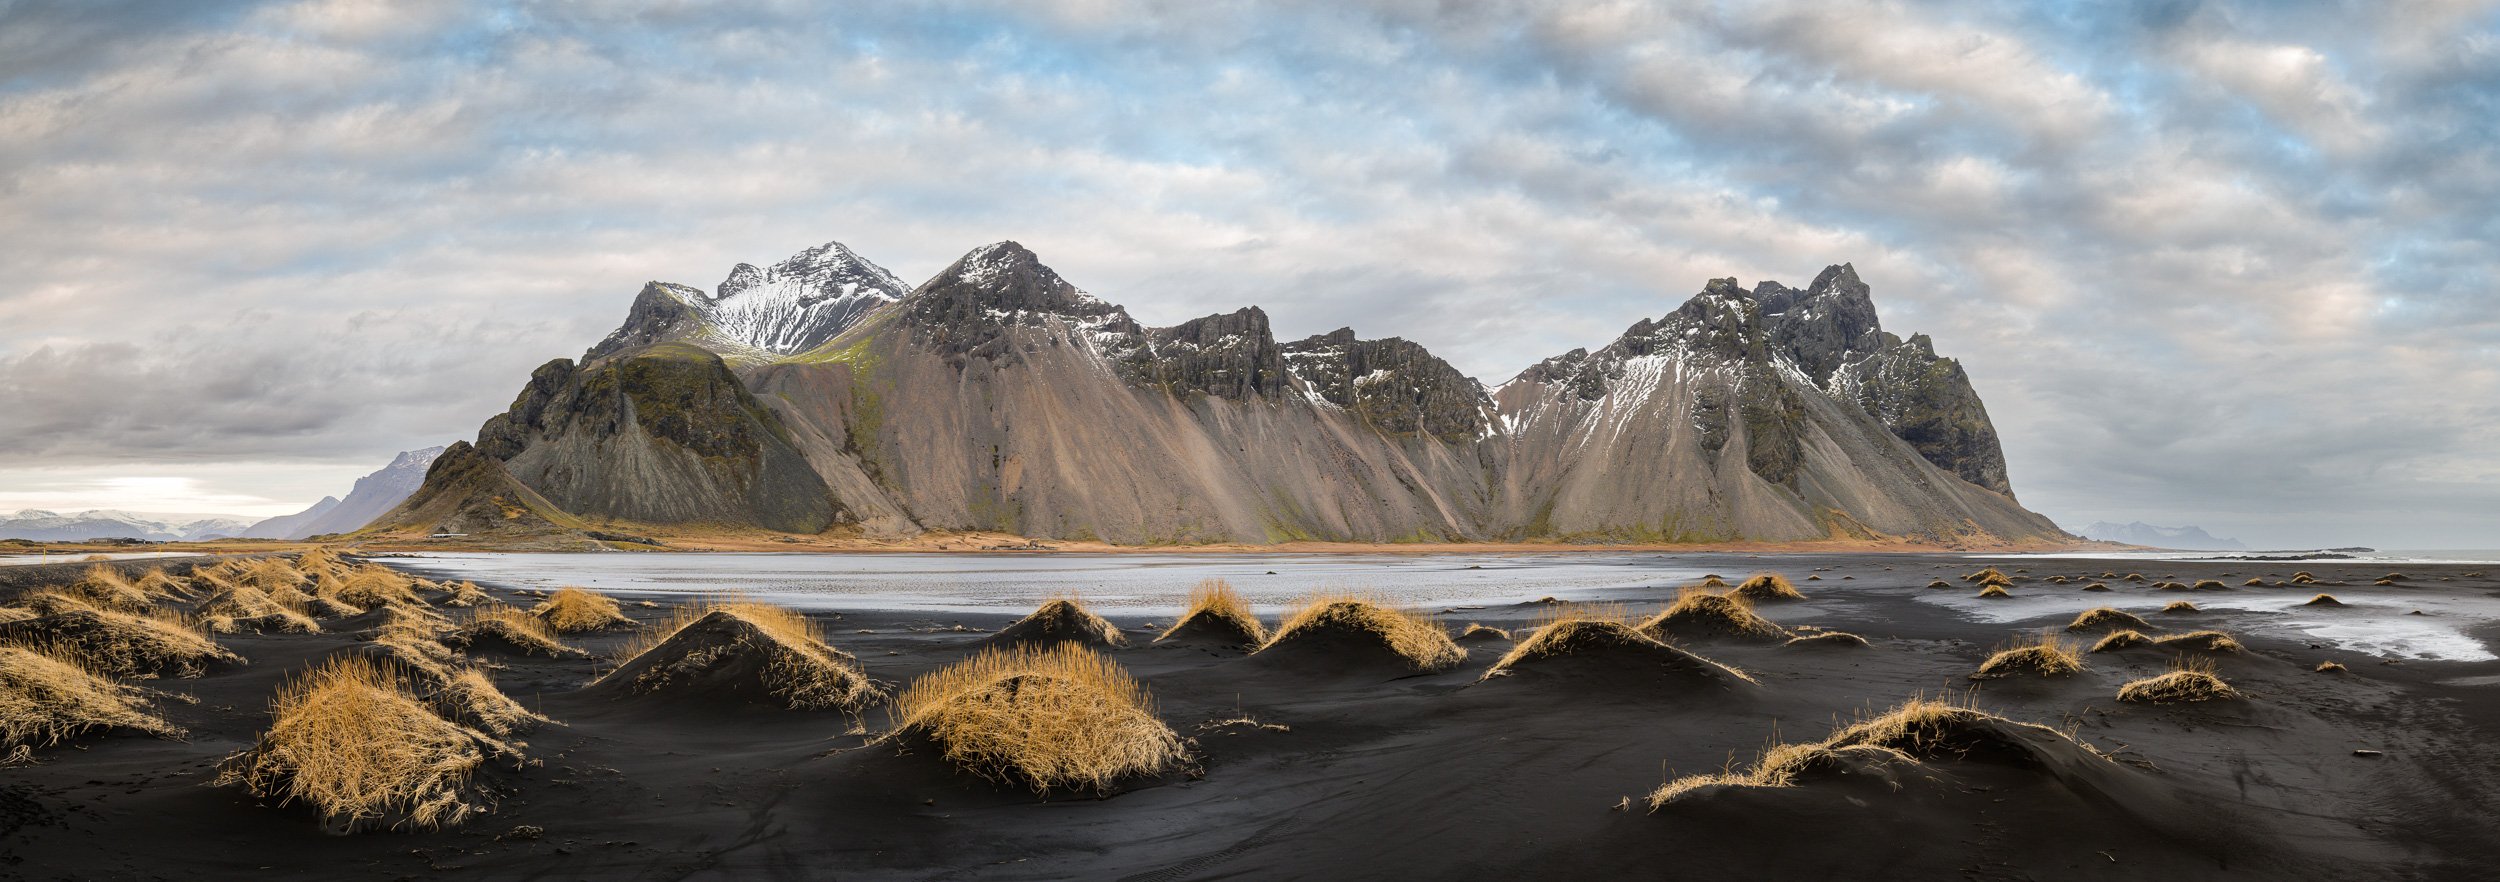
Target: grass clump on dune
1989, 575
1602, 632
1994, 591
1061, 620
2254, 583
1828, 638
1939, 583
1767, 587
1916, 730
1061, 717
2103, 617
369, 585
350, 740
239, 607
578, 610
46, 698
2323, 600
2205, 641
2187, 681
463, 594
1698, 612
2329, 667
107, 588
509, 629
2178, 606
744, 651
1218, 611
2117, 640
1417, 640
2046, 656
2096, 586
123, 644
1478, 631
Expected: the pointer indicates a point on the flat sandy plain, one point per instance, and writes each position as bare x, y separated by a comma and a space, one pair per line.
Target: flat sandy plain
1362, 769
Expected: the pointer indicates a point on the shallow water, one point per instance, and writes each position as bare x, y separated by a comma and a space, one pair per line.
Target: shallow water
2372, 620
1142, 583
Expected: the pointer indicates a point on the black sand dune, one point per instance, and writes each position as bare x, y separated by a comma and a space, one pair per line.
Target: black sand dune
1384, 771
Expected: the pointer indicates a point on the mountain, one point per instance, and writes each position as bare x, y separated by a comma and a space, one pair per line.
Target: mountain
373, 495
2141, 533
999, 396
46, 526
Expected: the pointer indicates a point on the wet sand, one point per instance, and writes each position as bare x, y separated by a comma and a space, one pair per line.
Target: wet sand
1384, 774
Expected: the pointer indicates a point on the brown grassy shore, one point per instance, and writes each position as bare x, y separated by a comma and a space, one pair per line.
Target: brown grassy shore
735, 742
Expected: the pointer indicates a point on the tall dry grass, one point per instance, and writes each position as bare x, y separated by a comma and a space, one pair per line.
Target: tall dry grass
1061, 717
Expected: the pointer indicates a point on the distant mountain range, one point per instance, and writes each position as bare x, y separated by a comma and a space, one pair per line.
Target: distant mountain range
821, 394
46, 526
2141, 533
373, 495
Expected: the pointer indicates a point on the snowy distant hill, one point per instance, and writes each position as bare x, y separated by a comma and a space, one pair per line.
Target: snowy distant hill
2140, 533
48, 526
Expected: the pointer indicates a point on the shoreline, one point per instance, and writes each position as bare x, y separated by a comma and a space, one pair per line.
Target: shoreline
974, 544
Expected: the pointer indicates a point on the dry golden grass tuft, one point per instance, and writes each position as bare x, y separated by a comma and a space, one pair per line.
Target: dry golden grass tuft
1415, 638
123, 644
2178, 606
2046, 655
1994, 591
159, 584
106, 587
775, 649
1823, 637
368, 585
239, 607
2103, 617
2117, 640
511, 629
353, 742
2323, 600
409, 644
1477, 631
46, 698
1697, 612
1215, 607
2329, 667
14, 614
2203, 641
1989, 575
1061, 717
1939, 583
464, 595
2096, 586
577, 610
1766, 587
2303, 578
2211, 585
2253, 583
2134, 577
2186, 681
1919, 727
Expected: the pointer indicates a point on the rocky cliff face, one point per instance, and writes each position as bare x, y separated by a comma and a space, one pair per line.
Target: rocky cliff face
1391, 385
1000, 396
662, 434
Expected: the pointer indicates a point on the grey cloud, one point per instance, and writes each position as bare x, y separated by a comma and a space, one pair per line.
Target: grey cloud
2216, 260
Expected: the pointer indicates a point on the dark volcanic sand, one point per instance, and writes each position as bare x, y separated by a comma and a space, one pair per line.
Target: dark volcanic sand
1386, 775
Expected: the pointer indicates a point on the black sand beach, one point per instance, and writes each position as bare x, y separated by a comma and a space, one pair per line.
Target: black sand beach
1313, 762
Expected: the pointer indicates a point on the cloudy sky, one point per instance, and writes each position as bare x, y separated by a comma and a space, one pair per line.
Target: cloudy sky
2213, 263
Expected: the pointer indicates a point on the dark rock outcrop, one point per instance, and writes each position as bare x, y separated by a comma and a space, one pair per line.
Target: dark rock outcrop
1393, 385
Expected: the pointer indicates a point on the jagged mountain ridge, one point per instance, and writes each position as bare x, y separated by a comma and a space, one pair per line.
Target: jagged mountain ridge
48, 526
999, 396
760, 314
